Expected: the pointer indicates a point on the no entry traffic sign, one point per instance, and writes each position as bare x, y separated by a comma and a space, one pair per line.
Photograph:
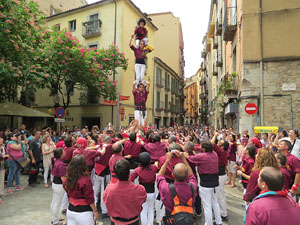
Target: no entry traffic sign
60, 112
251, 108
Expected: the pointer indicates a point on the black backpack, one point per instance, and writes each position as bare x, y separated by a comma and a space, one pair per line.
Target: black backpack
182, 213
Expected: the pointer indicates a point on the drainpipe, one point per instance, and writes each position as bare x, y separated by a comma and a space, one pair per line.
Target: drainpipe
114, 75
261, 68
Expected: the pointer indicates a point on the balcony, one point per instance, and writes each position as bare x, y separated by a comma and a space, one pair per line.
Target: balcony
219, 27
215, 45
203, 54
219, 60
202, 81
203, 66
91, 28
230, 24
215, 70
231, 87
231, 108
202, 96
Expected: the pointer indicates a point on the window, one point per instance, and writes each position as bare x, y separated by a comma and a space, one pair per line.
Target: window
93, 46
94, 17
72, 25
158, 76
157, 100
166, 102
167, 80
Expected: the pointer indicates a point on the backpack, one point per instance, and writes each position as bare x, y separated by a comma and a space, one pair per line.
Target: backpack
182, 213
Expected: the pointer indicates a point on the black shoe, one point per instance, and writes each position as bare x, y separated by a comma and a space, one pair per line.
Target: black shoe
32, 185
37, 182
64, 212
224, 218
105, 215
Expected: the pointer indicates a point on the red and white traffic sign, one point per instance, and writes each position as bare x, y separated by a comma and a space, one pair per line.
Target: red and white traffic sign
251, 108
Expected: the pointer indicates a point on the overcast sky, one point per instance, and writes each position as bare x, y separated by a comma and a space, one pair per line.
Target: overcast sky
193, 15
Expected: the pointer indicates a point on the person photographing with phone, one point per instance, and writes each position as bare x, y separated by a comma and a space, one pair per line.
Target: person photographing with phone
14, 149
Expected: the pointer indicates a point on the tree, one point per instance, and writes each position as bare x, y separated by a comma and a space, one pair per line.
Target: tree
21, 33
65, 65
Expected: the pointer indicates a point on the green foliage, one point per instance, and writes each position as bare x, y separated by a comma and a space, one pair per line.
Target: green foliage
20, 34
63, 63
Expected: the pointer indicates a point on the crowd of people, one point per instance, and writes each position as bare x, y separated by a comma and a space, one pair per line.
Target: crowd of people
167, 175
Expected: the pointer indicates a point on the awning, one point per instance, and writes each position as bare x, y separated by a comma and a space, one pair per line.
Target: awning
14, 109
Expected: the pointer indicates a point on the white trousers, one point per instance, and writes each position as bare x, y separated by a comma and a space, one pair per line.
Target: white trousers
2, 177
65, 202
58, 193
159, 207
138, 115
100, 184
137, 42
222, 195
140, 70
82, 218
46, 173
147, 214
210, 202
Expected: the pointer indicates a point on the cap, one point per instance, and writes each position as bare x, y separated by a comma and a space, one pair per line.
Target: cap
124, 135
144, 158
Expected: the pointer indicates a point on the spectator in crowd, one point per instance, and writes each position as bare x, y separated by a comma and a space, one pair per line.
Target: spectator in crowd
3, 157
36, 158
266, 206
48, 148
14, 151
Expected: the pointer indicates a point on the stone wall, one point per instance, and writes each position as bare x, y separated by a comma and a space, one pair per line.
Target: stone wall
277, 109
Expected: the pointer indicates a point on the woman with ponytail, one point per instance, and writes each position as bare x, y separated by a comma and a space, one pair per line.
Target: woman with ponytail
78, 185
58, 172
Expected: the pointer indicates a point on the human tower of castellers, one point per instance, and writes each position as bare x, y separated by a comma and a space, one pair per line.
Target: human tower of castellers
132, 175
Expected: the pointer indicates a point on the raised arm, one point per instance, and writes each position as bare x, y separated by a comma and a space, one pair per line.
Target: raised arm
147, 85
133, 87
130, 42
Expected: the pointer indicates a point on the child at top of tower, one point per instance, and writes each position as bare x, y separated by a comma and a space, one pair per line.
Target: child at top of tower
140, 32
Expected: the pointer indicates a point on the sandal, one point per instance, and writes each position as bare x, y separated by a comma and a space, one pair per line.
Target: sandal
46, 185
233, 186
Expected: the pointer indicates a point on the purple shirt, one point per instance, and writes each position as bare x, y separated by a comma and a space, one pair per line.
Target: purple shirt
146, 175
156, 150
292, 164
138, 98
173, 161
82, 190
252, 188
124, 199
207, 162
132, 148
59, 168
272, 210
287, 177
140, 32
183, 191
138, 53
232, 152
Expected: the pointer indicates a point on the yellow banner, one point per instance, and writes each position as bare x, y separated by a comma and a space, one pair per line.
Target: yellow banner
258, 129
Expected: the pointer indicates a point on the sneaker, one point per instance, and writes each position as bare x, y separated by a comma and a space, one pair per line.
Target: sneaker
10, 190
19, 188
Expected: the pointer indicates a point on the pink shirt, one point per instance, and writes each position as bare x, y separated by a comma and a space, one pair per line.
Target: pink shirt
207, 162
174, 160
124, 199
183, 191
16, 154
113, 160
132, 148
252, 188
156, 150
273, 210
146, 175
